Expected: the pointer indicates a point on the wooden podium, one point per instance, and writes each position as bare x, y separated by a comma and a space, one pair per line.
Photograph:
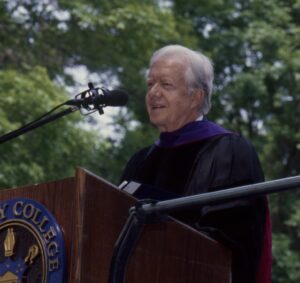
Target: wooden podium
92, 212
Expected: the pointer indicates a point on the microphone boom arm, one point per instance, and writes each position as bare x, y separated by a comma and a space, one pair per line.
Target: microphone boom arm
33, 125
92, 100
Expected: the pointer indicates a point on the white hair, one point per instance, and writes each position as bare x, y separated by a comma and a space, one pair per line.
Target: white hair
199, 74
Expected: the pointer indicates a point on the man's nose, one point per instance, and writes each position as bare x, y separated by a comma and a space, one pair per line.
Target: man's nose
154, 90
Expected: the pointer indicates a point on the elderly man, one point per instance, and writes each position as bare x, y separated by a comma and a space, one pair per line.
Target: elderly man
194, 155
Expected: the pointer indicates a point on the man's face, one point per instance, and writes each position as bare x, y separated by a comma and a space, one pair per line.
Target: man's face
168, 102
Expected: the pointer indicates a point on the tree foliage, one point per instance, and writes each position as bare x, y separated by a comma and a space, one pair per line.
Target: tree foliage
47, 153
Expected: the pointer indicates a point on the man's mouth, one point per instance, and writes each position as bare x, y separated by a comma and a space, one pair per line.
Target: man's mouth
157, 107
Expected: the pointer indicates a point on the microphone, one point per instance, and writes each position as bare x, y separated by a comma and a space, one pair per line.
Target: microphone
99, 97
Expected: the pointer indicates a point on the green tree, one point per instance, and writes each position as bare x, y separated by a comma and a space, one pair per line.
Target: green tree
47, 153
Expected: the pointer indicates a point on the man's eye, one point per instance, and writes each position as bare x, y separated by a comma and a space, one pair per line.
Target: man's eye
149, 84
167, 84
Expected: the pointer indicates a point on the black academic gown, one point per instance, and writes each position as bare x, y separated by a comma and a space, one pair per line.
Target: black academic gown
219, 162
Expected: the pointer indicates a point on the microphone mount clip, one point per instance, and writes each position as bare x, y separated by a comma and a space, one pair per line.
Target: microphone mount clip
91, 93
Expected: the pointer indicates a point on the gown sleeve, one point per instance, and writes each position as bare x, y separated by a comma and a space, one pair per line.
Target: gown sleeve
229, 162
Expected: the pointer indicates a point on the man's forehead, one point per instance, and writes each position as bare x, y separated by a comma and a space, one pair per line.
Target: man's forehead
166, 68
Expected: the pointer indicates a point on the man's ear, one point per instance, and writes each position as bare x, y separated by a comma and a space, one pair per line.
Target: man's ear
198, 98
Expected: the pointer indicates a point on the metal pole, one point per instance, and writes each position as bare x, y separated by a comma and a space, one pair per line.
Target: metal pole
274, 186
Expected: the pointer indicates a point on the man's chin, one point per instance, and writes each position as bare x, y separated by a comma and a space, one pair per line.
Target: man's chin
157, 123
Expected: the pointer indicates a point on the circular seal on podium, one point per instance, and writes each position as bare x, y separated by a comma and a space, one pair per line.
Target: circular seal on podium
31, 243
